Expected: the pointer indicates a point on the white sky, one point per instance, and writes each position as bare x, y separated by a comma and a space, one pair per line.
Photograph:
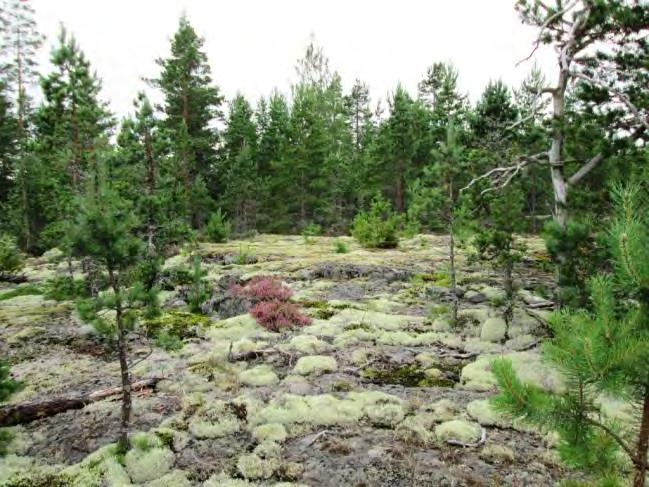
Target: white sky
252, 45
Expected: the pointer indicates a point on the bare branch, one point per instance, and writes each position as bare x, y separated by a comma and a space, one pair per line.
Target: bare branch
500, 177
546, 24
585, 169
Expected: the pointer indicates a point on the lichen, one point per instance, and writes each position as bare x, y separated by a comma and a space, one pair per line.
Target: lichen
493, 330
175, 478
493, 453
270, 432
224, 480
215, 420
262, 375
251, 467
307, 344
417, 429
458, 430
315, 365
146, 465
483, 413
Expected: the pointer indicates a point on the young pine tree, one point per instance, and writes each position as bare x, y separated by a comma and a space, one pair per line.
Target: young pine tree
603, 352
7, 387
105, 231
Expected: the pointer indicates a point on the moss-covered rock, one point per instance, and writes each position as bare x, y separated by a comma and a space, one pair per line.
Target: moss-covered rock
307, 344
315, 365
262, 375
458, 430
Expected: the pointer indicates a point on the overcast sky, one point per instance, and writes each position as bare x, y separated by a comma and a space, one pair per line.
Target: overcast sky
252, 45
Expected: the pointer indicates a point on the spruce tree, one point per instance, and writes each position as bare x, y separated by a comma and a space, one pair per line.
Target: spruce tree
599, 352
191, 104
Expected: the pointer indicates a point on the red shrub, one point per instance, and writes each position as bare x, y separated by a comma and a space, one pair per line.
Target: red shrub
277, 315
263, 288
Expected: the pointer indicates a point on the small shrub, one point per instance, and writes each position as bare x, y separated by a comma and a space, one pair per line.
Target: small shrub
64, 288
199, 290
340, 247
168, 341
218, 227
279, 315
263, 288
377, 228
11, 259
310, 231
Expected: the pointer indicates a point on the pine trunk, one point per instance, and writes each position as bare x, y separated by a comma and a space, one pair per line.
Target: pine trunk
122, 441
643, 445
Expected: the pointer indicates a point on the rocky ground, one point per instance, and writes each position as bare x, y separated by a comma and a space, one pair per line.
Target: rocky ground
379, 390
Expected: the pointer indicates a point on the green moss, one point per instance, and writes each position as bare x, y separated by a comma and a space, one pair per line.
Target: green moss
408, 376
262, 375
458, 430
177, 323
388, 415
315, 365
146, 441
25, 334
26, 290
175, 478
493, 330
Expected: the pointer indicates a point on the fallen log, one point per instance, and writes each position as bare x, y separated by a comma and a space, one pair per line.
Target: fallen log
12, 278
27, 412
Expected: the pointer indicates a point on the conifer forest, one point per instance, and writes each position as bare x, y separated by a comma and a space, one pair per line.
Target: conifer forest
327, 285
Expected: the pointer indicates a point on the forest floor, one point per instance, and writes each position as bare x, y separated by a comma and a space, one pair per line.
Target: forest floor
380, 390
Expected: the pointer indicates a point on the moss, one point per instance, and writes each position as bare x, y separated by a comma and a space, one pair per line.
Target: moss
146, 465
442, 410
307, 344
315, 365
341, 386
493, 330
361, 356
25, 334
270, 431
236, 328
115, 473
146, 441
92, 469
262, 375
251, 467
458, 430
323, 329
408, 376
177, 323
26, 290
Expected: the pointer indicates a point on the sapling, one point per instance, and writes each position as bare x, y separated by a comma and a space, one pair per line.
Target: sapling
603, 352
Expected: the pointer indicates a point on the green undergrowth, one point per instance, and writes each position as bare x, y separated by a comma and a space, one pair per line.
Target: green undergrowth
27, 290
411, 376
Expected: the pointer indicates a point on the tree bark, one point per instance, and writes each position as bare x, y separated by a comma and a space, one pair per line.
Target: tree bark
31, 411
643, 446
122, 441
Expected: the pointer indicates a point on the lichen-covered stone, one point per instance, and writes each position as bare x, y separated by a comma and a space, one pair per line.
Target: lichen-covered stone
315, 365
262, 375
458, 430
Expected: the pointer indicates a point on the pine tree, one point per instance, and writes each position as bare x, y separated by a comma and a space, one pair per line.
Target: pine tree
603, 352
105, 230
19, 46
8, 142
191, 104
239, 166
72, 126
